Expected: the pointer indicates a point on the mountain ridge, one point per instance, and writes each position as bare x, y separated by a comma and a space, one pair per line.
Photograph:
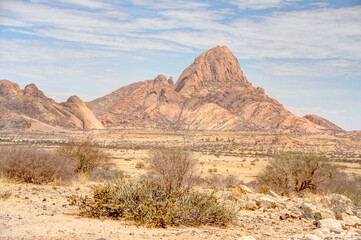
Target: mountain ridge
212, 93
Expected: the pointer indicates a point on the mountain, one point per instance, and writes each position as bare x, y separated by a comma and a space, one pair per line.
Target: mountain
30, 108
322, 122
211, 94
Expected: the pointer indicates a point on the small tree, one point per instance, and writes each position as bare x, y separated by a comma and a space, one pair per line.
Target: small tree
85, 154
296, 172
174, 168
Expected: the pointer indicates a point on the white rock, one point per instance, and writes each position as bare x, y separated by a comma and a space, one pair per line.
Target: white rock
311, 237
332, 224
246, 238
266, 203
350, 220
308, 207
321, 232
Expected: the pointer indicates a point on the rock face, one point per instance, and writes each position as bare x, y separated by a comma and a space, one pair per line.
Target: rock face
322, 122
211, 94
30, 107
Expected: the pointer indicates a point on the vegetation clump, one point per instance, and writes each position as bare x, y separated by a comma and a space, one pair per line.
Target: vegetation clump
31, 165
175, 169
289, 173
85, 154
164, 198
145, 202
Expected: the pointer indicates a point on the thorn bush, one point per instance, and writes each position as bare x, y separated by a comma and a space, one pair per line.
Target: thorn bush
145, 202
31, 165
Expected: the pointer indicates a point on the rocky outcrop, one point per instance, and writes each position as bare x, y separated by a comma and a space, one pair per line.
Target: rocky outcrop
211, 94
82, 112
322, 122
28, 108
100, 105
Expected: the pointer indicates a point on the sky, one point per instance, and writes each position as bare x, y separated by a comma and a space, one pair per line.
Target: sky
304, 53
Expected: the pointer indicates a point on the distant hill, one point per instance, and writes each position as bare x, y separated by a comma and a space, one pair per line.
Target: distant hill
29, 107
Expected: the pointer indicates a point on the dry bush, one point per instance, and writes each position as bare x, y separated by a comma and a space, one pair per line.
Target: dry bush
105, 175
85, 155
174, 168
220, 181
32, 165
288, 173
145, 202
343, 184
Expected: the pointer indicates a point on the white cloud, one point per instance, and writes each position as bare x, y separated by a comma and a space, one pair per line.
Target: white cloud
169, 4
340, 68
260, 4
302, 111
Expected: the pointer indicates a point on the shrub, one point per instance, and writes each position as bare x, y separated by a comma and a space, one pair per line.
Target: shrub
105, 175
146, 202
288, 173
85, 155
174, 168
139, 165
229, 181
31, 165
343, 184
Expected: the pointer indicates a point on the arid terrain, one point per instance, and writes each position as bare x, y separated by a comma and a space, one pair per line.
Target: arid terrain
233, 132
43, 211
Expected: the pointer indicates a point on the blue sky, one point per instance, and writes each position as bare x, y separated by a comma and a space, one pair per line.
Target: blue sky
306, 54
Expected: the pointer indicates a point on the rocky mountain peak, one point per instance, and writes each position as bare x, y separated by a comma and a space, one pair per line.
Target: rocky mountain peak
74, 99
33, 90
161, 78
8, 88
213, 69
170, 80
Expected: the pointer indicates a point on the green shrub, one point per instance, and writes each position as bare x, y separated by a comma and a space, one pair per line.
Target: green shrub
32, 165
288, 173
85, 155
146, 202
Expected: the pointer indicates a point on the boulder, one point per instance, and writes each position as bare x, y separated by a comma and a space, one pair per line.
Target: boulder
332, 224
308, 207
321, 232
266, 203
352, 221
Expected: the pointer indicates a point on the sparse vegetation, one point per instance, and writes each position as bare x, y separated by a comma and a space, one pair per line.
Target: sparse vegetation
341, 183
288, 173
174, 168
85, 155
31, 165
145, 201
220, 181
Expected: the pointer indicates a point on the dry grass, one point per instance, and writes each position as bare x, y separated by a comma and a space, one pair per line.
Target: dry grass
32, 165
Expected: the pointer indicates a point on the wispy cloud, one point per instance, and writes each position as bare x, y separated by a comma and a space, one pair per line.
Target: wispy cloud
260, 4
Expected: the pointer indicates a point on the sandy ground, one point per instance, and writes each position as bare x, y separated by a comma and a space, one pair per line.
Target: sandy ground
43, 212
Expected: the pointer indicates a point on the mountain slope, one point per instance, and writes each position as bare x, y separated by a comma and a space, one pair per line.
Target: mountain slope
322, 122
20, 108
212, 93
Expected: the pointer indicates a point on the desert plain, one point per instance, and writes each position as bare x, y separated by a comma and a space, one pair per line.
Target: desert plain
30, 211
